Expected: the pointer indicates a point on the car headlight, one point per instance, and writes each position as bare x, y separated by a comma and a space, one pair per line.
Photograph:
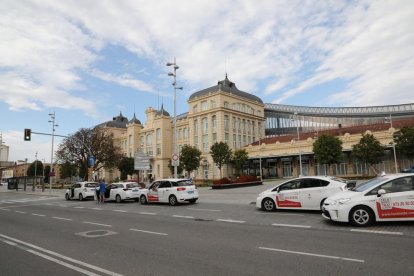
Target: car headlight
340, 201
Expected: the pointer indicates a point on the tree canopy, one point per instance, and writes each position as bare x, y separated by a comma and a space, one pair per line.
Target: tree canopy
368, 150
240, 158
126, 167
190, 158
35, 168
221, 154
404, 141
327, 149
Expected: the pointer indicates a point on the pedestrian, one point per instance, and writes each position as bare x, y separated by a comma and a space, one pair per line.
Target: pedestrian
102, 187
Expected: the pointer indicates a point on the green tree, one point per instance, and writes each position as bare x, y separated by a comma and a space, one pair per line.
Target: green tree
404, 141
190, 158
86, 142
221, 154
171, 167
35, 167
126, 167
239, 158
68, 170
368, 150
327, 149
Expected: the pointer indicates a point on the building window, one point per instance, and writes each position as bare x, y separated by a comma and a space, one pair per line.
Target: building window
205, 143
244, 140
204, 124
158, 134
214, 123
149, 144
238, 125
129, 140
234, 123
196, 142
226, 123
226, 137
158, 149
226, 104
196, 133
214, 136
179, 133
240, 141
244, 125
204, 106
195, 109
213, 104
234, 141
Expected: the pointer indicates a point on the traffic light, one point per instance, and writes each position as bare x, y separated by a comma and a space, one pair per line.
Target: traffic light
27, 134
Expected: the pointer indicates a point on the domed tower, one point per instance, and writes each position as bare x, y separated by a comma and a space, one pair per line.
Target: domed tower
132, 138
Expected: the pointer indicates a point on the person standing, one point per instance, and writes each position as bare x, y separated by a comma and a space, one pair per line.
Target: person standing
102, 187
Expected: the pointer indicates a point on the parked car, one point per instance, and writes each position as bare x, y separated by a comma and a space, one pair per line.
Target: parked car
305, 193
172, 191
408, 170
385, 198
121, 191
81, 190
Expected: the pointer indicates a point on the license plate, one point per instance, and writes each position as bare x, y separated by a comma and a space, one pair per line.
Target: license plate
191, 192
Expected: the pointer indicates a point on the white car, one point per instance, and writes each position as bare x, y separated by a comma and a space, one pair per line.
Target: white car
172, 191
81, 190
121, 191
385, 198
305, 193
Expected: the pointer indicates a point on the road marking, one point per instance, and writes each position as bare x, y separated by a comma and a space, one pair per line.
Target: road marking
209, 210
279, 214
231, 220
187, 217
61, 218
292, 225
148, 232
121, 211
20, 212
4, 209
78, 207
312, 254
39, 215
95, 223
376, 232
99, 209
62, 257
146, 213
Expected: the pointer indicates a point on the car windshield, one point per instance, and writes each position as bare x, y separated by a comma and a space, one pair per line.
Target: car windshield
370, 184
183, 183
91, 185
132, 185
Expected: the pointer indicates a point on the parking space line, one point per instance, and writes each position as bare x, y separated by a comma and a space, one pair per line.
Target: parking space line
39, 215
95, 223
179, 216
208, 210
148, 232
231, 220
146, 213
78, 207
377, 232
312, 254
292, 225
68, 219
121, 211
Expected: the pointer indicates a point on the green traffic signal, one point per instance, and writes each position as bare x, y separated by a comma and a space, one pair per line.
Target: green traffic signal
27, 134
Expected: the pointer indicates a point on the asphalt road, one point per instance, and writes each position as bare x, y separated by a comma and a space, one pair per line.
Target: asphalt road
41, 235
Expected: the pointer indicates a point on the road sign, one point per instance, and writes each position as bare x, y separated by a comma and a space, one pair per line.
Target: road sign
142, 161
91, 161
175, 161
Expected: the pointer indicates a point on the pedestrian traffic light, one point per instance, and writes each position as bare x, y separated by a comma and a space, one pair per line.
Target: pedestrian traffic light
27, 134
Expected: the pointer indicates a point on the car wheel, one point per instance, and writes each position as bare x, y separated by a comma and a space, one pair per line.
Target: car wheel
361, 216
192, 201
172, 200
80, 197
67, 197
143, 200
268, 205
118, 199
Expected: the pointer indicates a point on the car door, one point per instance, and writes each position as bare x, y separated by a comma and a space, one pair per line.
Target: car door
116, 189
311, 193
108, 190
72, 191
77, 190
153, 192
288, 195
164, 191
398, 201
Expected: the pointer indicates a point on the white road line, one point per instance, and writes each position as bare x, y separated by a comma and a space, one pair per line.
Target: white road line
39, 215
179, 216
312, 254
208, 210
377, 232
4, 209
78, 207
20, 212
62, 218
279, 214
292, 225
63, 257
121, 211
146, 213
99, 209
148, 232
95, 223
231, 220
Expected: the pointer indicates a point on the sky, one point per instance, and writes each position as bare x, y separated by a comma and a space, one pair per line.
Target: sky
87, 61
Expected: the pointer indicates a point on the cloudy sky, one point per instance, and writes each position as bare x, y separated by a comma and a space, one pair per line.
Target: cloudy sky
89, 60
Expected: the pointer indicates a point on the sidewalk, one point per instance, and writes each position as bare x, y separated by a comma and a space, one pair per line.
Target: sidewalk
38, 192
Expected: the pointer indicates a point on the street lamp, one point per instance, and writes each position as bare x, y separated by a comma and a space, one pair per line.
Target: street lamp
43, 174
298, 139
175, 155
52, 116
35, 179
389, 120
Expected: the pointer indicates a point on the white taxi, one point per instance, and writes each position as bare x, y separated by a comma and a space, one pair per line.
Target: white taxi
81, 190
172, 191
121, 191
305, 193
385, 198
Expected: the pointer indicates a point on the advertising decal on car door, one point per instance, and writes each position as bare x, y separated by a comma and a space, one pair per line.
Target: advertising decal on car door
399, 209
287, 201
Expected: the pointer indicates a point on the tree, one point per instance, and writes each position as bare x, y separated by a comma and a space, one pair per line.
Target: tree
190, 158
240, 158
126, 167
68, 170
327, 149
368, 150
221, 154
171, 167
88, 142
404, 141
35, 168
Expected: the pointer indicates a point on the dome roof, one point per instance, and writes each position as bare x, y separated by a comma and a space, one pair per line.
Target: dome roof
117, 122
228, 87
134, 120
162, 112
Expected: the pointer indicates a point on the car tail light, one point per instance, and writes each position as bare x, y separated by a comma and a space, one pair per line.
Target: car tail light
181, 189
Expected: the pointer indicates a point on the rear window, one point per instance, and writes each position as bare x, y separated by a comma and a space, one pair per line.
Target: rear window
91, 185
182, 183
132, 185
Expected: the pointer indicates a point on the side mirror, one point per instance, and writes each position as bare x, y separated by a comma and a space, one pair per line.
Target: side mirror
381, 192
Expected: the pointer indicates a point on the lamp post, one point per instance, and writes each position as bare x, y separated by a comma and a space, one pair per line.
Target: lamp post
35, 179
43, 174
175, 154
260, 156
52, 116
298, 140
389, 119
